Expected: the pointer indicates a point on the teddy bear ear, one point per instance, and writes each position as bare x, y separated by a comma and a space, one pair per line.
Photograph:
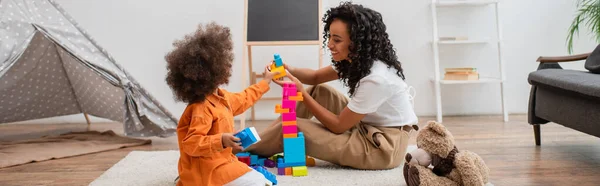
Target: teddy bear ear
437, 128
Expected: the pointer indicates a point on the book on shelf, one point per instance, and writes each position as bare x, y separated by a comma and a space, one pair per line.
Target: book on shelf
461, 74
463, 69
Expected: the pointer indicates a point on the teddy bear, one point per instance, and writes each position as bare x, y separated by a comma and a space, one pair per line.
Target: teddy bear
437, 161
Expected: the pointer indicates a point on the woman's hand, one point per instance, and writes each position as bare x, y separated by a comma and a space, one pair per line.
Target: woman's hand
299, 85
289, 69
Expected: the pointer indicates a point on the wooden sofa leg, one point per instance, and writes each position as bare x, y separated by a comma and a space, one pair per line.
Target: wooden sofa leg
536, 133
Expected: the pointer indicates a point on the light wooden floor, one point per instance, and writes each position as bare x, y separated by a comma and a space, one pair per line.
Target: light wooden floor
566, 157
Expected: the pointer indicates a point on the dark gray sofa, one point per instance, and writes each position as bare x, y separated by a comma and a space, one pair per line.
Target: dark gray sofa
567, 97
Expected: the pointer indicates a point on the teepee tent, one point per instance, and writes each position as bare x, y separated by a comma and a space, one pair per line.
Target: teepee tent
49, 67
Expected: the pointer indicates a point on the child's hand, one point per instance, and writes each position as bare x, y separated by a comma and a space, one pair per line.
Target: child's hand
267, 74
229, 140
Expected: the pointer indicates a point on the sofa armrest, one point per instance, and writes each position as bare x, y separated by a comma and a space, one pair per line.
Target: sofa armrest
554, 59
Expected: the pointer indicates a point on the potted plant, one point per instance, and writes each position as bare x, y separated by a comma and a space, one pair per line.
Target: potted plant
588, 14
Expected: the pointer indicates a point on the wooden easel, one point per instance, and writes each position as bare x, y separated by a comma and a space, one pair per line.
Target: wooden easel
247, 55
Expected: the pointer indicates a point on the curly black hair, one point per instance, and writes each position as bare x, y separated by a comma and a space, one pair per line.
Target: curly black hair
200, 62
370, 42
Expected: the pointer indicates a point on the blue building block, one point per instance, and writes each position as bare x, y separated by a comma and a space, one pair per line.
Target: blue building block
270, 176
294, 150
261, 161
248, 136
278, 61
253, 159
243, 154
281, 164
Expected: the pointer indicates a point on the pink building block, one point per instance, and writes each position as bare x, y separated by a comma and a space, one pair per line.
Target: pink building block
290, 129
289, 104
289, 90
290, 116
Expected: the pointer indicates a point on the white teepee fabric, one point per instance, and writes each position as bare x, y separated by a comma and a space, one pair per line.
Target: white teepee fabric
49, 66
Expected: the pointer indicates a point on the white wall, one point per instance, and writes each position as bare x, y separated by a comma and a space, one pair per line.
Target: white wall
139, 33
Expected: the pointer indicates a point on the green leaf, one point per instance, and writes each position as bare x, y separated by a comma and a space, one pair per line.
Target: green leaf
588, 13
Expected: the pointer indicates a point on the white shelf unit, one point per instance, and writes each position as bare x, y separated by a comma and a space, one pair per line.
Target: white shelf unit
478, 41
437, 80
450, 3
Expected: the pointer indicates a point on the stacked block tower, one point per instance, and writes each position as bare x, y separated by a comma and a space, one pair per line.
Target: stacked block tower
294, 156
294, 160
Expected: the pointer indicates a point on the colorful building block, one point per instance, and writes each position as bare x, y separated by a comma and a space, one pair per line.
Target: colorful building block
299, 171
289, 89
288, 171
280, 110
243, 154
293, 150
261, 161
286, 123
248, 136
245, 160
253, 160
272, 178
289, 104
281, 171
290, 116
297, 97
282, 164
290, 129
310, 161
281, 71
269, 163
277, 59
295, 135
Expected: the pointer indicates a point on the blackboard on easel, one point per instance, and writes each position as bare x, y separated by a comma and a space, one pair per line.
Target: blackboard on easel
283, 20
279, 23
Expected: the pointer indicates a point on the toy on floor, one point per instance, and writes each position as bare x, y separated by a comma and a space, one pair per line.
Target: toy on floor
248, 136
294, 160
278, 67
270, 176
450, 166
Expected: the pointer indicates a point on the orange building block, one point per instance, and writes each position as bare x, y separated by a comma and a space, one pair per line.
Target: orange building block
286, 123
280, 110
294, 135
298, 97
288, 171
310, 162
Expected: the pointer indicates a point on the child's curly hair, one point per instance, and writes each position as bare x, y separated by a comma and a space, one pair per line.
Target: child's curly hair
200, 62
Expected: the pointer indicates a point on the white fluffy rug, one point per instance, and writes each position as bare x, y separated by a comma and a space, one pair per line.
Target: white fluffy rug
158, 168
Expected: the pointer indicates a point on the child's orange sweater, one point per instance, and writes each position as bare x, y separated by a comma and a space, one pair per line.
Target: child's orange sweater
203, 160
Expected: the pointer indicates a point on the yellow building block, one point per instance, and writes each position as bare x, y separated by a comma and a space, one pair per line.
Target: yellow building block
298, 97
280, 110
299, 171
280, 69
286, 123
294, 135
